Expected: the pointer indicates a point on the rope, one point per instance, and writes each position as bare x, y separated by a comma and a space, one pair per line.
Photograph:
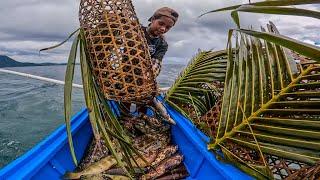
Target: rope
38, 77
49, 79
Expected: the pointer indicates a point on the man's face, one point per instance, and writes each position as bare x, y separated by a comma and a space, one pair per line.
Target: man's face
161, 25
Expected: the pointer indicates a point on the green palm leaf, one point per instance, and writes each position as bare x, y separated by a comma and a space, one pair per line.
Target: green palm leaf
85, 72
279, 10
68, 93
102, 118
191, 86
103, 121
297, 46
273, 10
64, 41
270, 103
268, 3
267, 93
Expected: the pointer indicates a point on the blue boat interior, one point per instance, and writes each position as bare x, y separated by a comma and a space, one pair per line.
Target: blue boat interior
51, 158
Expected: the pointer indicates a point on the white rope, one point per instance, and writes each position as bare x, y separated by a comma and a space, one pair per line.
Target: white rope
49, 79
38, 77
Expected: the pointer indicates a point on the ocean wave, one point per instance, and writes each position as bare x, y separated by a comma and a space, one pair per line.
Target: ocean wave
9, 150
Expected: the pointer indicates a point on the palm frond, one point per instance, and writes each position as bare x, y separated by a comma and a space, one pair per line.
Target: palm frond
273, 10
191, 86
295, 45
279, 10
103, 120
68, 92
265, 91
64, 41
87, 90
271, 99
267, 3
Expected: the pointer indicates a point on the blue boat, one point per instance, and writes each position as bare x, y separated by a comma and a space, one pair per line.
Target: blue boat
51, 158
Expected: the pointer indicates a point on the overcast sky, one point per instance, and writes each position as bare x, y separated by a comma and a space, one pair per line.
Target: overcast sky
29, 25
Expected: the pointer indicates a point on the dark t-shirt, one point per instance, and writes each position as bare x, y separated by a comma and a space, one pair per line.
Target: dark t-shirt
157, 46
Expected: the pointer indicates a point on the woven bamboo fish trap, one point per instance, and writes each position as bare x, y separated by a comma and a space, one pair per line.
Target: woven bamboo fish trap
118, 50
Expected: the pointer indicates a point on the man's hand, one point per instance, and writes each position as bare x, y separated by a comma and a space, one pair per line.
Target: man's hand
156, 66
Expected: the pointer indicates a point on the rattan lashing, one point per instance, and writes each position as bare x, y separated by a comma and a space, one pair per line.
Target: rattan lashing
118, 50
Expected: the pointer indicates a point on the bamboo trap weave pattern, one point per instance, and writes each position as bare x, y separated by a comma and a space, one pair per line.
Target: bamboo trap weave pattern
118, 50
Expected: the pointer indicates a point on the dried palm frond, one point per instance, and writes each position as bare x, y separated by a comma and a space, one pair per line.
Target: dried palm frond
209, 122
306, 173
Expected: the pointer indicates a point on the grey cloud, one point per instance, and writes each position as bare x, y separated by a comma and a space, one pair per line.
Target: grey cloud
19, 52
301, 28
41, 23
38, 19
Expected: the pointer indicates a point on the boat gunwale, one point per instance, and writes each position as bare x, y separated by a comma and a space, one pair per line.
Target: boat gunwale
42, 153
48, 148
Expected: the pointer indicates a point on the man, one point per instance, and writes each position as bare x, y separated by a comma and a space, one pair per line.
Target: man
161, 22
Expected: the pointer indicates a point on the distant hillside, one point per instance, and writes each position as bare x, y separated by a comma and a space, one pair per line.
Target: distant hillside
6, 61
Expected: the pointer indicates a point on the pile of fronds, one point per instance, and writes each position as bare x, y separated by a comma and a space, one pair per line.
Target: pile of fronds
268, 123
308, 172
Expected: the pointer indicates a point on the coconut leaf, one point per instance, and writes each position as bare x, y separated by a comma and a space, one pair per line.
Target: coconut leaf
64, 41
68, 92
273, 10
267, 3
279, 11
265, 97
104, 119
305, 49
191, 86
254, 170
85, 74
270, 103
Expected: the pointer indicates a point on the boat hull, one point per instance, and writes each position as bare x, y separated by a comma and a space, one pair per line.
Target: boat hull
200, 163
51, 158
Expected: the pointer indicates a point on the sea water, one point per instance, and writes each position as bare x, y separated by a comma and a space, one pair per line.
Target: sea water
31, 109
